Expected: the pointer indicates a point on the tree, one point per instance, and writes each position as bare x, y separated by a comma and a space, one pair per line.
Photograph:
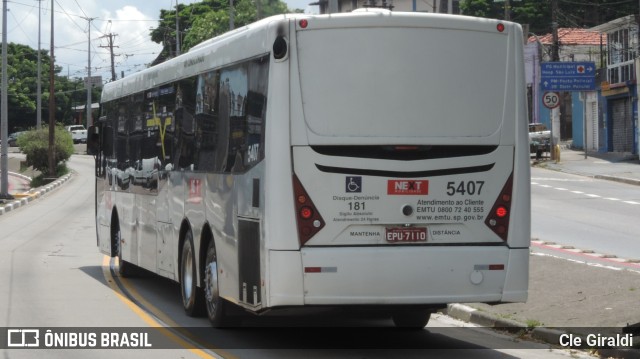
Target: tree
206, 19
22, 71
35, 144
165, 33
537, 13
479, 8
22, 64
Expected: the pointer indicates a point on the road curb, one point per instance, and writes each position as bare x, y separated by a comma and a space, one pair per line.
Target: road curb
552, 167
547, 335
618, 179
485, 319
20, 175
22, 199
584, 252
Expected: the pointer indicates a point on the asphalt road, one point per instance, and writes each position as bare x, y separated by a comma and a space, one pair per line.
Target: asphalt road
52, 275
586, 213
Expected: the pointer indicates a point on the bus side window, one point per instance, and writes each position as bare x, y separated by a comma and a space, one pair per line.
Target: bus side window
233, 94
184, 149
256, 109
207, 118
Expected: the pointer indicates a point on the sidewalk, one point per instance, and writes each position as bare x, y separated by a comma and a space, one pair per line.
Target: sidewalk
566, 296
19, 185
623, 168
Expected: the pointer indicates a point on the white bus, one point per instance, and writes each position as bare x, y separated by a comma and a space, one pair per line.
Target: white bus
371, 159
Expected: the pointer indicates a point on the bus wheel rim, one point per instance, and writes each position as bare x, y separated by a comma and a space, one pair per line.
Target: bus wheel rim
187, 275
211, 284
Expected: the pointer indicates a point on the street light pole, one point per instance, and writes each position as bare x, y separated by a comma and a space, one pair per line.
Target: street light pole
39, 85
89, 117
507, 10
4, 156
52, 104
177, 30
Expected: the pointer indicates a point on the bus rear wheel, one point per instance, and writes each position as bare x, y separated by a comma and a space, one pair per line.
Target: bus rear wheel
411, 319
192, 298
217, 307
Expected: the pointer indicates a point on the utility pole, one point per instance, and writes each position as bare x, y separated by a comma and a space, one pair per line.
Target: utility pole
507, 10
110, 47
52, 104
554, 30
259, 9
177, 32
39, 85
88, 84
555, 113
231, 11
4, 156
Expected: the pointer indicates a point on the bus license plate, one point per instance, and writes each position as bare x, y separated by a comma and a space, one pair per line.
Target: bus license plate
406, 234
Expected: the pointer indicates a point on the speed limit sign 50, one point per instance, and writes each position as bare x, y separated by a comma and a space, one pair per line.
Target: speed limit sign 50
551, 100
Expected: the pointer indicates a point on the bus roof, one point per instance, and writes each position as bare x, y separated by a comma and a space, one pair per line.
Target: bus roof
211, 53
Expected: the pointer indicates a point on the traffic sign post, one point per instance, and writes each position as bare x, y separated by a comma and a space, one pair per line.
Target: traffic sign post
568, 76
565, 77
551, 100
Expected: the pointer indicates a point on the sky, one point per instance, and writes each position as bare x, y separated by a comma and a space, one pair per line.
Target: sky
129, 20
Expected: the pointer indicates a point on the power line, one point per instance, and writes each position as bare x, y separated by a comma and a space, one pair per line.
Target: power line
69, 16
80, 7
20, 26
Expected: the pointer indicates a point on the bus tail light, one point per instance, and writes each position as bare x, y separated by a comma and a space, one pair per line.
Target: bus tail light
308, 219
498, 218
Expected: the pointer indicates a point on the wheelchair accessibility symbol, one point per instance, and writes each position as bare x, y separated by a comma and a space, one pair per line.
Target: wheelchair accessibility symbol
353, 184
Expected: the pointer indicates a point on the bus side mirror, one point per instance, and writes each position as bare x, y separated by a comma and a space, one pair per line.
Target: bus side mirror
93, 140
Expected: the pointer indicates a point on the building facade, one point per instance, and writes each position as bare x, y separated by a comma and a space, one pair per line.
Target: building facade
574, 45
436, 6
618, 86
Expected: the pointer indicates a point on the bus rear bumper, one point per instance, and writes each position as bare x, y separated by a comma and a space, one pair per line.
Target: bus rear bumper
408, 275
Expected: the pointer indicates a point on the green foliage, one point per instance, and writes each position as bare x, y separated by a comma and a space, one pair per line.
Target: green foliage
35, 144
537, 13
22, 71
203, 20
479, 8
207, 26
43, 179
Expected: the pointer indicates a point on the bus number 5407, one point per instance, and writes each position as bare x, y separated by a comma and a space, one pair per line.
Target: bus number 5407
465, 187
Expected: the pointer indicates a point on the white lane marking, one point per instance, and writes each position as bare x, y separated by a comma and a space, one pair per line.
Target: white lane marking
580, 192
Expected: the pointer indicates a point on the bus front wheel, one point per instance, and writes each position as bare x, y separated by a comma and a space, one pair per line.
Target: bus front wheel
125, 269
191, 294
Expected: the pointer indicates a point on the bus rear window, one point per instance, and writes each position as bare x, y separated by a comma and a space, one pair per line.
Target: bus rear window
410, 82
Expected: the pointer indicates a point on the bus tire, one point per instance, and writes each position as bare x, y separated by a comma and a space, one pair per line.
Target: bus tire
192, 298
125, 269
411, 319
217, 307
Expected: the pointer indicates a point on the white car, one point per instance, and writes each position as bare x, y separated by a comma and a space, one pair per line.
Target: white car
539, 139
78, 133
